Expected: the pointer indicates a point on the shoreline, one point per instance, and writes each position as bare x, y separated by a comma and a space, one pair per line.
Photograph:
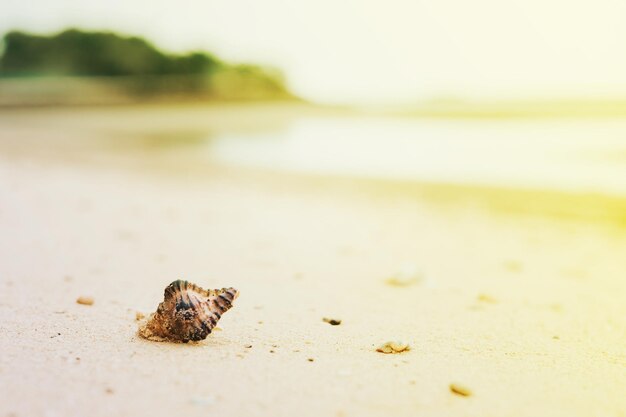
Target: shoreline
599, 208
108, 92
164, 140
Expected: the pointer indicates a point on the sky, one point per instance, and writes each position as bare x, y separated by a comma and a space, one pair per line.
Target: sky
379, 51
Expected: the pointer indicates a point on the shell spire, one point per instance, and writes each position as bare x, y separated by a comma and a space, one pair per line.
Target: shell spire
188, 312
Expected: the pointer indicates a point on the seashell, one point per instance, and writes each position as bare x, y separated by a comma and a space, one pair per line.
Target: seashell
187, 312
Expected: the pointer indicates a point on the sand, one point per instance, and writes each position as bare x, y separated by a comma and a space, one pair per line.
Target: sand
526, 311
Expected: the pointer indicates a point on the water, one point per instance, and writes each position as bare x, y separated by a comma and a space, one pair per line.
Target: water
572, 155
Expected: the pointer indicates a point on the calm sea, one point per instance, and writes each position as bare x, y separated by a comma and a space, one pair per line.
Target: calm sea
563, 154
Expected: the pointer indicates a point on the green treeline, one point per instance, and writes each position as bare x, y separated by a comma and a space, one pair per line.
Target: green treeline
73, 52
105, 54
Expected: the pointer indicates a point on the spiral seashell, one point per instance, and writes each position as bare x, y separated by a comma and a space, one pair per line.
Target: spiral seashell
187, 312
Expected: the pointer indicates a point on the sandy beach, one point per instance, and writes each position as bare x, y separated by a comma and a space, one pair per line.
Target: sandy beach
521, 303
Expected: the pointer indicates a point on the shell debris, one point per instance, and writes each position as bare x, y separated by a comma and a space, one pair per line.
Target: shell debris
393, 347
187, 313
460, 389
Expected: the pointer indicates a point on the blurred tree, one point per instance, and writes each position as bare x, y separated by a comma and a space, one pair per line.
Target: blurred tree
74, 52
133, 65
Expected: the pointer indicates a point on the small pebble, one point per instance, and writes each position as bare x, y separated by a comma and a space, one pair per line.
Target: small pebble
248, 346
332, 322
310, 359
84, 300
460, 390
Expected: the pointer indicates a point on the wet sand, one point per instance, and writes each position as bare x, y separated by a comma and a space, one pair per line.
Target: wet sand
523, 307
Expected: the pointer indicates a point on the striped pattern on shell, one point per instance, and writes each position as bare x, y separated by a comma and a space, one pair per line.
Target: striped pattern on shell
187, 312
